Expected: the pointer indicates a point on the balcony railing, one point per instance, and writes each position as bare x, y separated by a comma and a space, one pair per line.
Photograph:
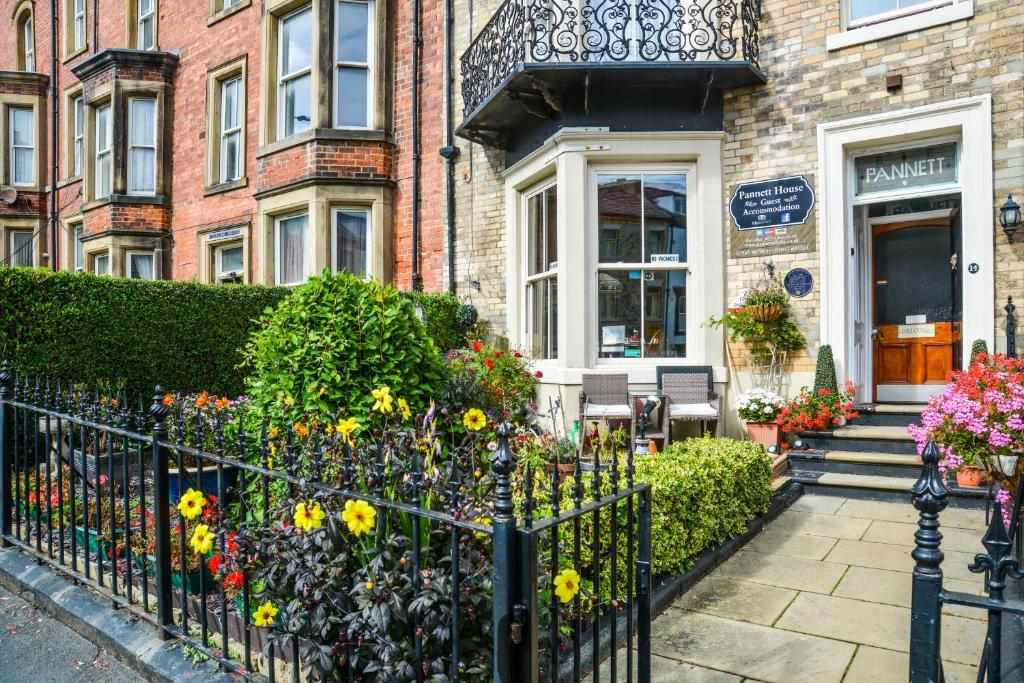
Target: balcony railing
586, 32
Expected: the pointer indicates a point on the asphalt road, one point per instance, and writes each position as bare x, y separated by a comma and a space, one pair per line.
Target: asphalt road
35, 648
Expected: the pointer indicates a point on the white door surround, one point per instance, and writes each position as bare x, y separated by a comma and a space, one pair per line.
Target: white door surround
970, 119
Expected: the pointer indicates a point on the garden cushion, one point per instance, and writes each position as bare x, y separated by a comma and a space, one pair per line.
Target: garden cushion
693, 410
620, 410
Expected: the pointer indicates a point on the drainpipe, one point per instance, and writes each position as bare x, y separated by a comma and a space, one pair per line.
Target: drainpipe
450, 152
53, 135
95, 26
417, 41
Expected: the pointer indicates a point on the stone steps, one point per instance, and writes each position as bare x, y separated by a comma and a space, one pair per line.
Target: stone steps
865, 438
888, 414
857, 462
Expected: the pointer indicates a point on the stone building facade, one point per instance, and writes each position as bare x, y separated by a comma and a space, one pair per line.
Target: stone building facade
838, 95
226, 140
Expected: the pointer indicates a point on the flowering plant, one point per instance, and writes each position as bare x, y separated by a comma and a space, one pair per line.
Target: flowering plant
817, 410
979, 416
496, 380
758, 405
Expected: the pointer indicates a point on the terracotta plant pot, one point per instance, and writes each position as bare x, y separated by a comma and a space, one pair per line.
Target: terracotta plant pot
969, 476
767, 434
766, 313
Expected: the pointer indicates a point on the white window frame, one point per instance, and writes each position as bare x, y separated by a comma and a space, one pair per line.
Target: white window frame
133, 146
307, 246
13, 147
891, 14
105, 258
594, 265
131, 255
140, 19
335, 210
219, 274
896, 22
28, 38
919, 191
78, 28
10, 247
77, 134
105, 153
284, 78
78, 254
368, 64
226, 132
551, 274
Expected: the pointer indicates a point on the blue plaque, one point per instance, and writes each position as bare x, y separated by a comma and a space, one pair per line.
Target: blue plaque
798, 282
774, 203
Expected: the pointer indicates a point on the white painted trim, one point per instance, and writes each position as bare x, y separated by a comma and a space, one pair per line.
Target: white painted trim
947, 14
972, 118
640, 374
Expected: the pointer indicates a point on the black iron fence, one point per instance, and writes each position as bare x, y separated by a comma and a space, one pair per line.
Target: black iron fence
1002, 657
1011, 327
592, 31
277, 551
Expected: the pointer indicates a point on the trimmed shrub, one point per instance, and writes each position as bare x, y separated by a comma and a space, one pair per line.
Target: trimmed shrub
979, 347
825, 371
330, 343
83, 328
440, 319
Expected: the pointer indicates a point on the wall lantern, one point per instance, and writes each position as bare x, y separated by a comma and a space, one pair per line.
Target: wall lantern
1009, 217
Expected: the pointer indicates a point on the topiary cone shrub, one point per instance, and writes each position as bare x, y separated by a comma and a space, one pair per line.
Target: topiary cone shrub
979, 347
825, 371
324, 348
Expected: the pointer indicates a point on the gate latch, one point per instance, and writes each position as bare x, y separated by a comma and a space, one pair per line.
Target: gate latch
518, 619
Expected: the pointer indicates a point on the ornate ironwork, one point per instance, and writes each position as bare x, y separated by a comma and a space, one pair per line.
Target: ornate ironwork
589, 31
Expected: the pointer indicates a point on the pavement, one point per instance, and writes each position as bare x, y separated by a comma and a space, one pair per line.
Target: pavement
38, 649
822, 595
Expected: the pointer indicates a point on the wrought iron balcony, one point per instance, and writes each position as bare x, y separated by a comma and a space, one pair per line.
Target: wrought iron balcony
528, 46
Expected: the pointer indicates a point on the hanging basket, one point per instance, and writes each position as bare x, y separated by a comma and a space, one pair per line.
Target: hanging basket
766, 313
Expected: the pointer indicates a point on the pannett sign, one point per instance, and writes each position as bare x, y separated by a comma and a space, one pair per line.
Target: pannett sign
775, 203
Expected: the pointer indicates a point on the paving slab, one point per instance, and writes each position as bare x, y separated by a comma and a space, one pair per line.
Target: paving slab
899, 512
781, 541
878, 625
894, 588
825, 505
735, 599
749, 650
896, 558
901, 533
874, 665
796, 573
665, 670
814, 524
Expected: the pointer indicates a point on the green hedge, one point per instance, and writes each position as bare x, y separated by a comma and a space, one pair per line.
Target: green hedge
439, 319
703, 492
83, 328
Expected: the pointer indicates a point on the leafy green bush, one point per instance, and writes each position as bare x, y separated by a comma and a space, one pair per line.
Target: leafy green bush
440, 318
83, 328
330, 343
979, 347
825, 371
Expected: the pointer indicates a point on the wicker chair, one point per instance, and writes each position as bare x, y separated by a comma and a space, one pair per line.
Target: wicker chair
690, 399
605, 397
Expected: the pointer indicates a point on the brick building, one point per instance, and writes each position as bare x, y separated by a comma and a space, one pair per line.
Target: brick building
224, 140
895, 130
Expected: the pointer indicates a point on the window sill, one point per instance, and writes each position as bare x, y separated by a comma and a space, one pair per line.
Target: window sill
77, 53
158, 200
324, 135
221, 188
227, 12
69, 181
963, 9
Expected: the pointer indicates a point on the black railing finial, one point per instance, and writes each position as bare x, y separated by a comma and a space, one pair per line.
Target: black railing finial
6, 376
930, 498
158, 410
1011, 328
503, 461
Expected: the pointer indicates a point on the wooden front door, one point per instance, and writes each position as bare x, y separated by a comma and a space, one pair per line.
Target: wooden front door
917, 337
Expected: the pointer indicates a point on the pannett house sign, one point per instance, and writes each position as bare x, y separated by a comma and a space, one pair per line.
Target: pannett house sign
772, 217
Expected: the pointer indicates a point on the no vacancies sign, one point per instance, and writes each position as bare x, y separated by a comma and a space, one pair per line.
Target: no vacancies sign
772, 217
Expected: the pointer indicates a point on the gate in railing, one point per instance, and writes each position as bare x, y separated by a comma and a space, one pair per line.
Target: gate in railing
1002, 657
440, 567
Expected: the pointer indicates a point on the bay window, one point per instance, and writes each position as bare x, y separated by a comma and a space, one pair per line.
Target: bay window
231, 109
350, 241
291, 241
104, 152
295, 60
140, 265
642, 268
20, 248
22, 146
352, 64
101, 264
141, 146
542, 272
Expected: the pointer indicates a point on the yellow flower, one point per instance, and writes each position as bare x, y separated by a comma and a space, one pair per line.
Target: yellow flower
486, 521
264, 614
202, 540
382, 400
360, 516
403, 408
287, 399
347, 428
309, 517
567, 585
474, 419
191, 504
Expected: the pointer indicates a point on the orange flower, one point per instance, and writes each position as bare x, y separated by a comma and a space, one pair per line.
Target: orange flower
221, 403
301, 429
168, 400
203, 399
274, 433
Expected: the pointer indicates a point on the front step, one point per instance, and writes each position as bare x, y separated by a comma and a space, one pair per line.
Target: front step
862, 438
857, 462
891, 489
888, 414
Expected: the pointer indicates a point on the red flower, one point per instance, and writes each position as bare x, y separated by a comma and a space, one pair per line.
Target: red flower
489, 363
232, 543
477, 347
32, 498
538, 374
214, 563
497, 354
234, 580
517, 354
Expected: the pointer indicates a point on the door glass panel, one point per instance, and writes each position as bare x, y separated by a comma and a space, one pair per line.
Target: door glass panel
913, 275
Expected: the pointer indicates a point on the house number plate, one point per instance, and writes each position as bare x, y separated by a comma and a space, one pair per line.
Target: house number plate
916, 331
